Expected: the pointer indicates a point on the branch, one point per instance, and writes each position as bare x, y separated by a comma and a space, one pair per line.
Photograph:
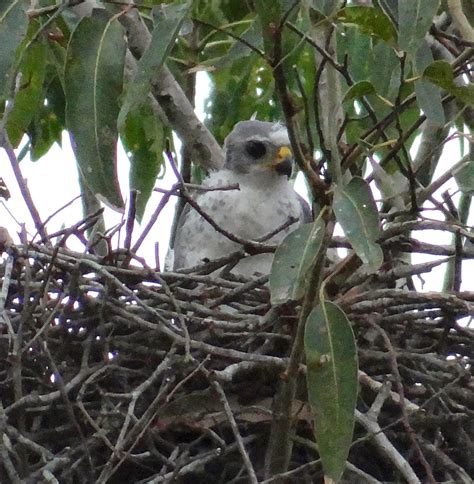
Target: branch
179, 111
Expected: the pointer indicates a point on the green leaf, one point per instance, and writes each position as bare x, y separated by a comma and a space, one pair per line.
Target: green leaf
331, 361
464, 177
143, 137
428, 96
326, 7
294, 258
30, 93
357, 213
13, 26
269, 14
359, 89
441, 74
370, 20
168, 22
93, 85
414, 21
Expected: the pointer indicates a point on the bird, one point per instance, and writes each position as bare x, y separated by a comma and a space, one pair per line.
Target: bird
259, 160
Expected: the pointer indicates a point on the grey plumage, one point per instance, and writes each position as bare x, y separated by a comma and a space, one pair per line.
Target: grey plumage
258, 158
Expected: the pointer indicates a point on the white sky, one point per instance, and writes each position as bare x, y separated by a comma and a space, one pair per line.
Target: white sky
53, 183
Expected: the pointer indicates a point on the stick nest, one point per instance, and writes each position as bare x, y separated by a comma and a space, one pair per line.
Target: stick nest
113, 373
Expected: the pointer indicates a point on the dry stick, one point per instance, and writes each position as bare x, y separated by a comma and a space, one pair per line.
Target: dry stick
235, 429
398, 381
387, 448
25, 192
154, 217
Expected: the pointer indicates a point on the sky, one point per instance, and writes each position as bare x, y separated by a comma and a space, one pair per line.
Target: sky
53, 183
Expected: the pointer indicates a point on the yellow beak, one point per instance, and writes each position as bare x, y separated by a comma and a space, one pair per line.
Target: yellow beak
283, 153
283, 162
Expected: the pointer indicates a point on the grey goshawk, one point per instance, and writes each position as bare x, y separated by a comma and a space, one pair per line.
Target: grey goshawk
258, 159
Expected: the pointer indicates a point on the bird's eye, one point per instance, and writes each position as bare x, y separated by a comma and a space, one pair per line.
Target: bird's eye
256, 149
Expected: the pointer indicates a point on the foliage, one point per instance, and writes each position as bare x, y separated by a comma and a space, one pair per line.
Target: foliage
371, 93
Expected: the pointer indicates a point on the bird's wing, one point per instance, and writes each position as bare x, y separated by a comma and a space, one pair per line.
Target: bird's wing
306, 215
177, 249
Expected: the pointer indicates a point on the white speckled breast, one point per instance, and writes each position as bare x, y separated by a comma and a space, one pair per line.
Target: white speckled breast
263, 203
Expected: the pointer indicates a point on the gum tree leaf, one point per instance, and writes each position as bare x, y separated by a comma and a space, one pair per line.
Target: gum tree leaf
428, 96
293, 260
414, 20
93, 85
441, 74
29, 97
359, 89
370, 20
357, 213
331, 361
143, 137
168, 22
13, 26
326, 7
465, 177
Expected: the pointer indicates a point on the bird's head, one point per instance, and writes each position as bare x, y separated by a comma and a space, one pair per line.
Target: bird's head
258, 146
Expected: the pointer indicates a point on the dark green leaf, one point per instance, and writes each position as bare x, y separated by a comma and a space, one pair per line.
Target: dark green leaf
93, 85
331, 360
359, 89
13, 26
326, 7
370, 20
414, 21
465, 177
269, 14
252, 36
168, 22
30, 93
293, 260
356, 211
441, 73
428, 96
143, 137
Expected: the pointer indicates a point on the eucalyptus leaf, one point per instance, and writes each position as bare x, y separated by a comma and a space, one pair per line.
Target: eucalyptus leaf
93, 85
414, 20
428, 95
464, 177
167, 25
357, 213
293, 261
30, 92
326, 7
358, 90
13, 27
143, 137
331, 361
441, 74
370, 20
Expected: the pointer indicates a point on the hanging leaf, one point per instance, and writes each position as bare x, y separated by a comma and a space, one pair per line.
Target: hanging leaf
326, 7
428, 96
370, 20
441, 73
293, 261
331, 360
30, 93
93, 85
464, 177
168, 21
414, 20
358, 90
357, 213
13, 26
143, 137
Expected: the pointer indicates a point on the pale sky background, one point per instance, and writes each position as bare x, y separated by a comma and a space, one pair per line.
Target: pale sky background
53, 183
